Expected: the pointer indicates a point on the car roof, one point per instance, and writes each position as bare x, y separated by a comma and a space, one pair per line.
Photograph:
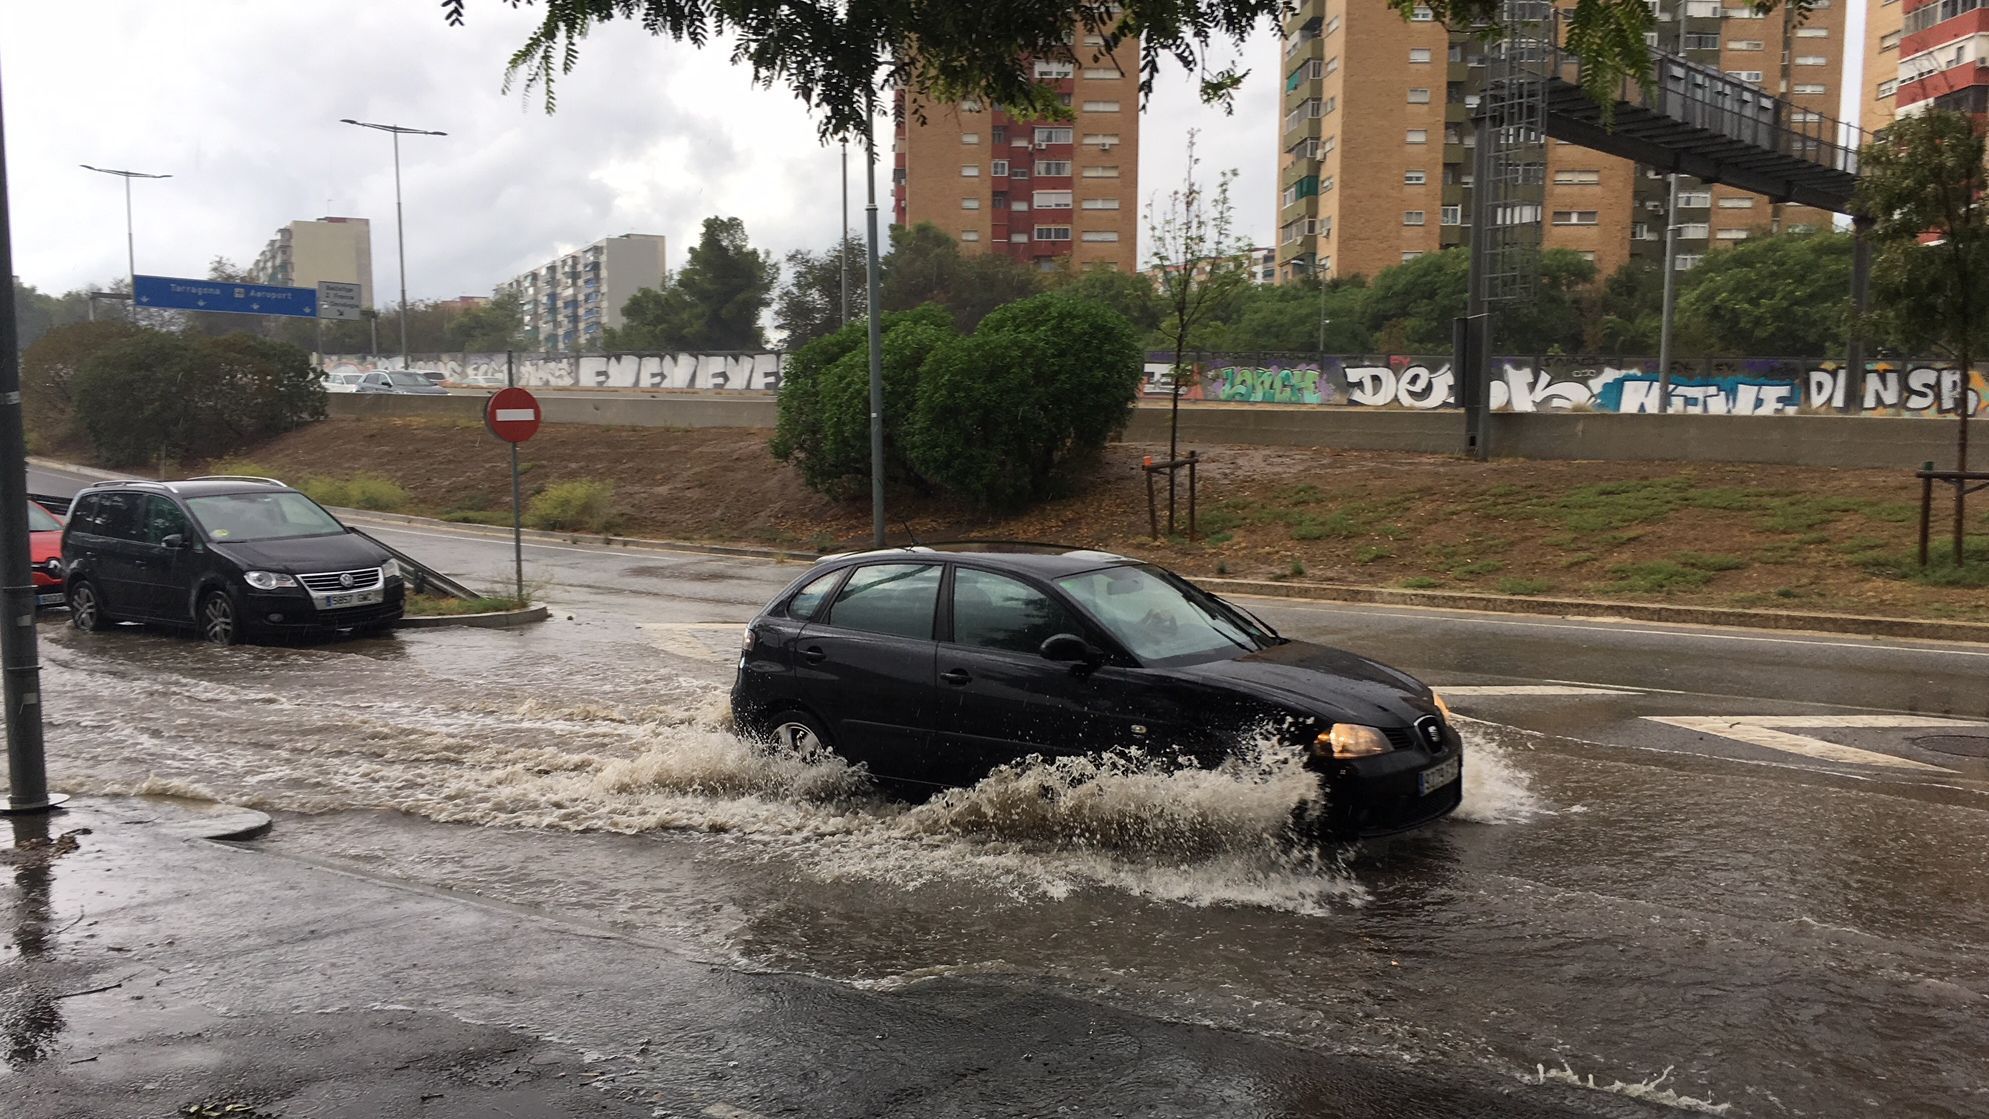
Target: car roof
1043, 564
209, 486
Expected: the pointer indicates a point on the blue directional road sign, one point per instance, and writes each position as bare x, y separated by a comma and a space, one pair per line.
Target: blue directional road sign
178, 293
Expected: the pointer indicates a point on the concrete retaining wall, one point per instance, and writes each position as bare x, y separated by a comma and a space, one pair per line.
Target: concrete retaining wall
1824, 441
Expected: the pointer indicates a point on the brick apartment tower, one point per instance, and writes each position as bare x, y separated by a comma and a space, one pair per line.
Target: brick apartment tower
1376, 142
1942, 53
1885, 22
1050, 194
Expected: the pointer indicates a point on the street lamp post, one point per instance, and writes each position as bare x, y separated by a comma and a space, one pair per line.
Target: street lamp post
400, 223
130, 242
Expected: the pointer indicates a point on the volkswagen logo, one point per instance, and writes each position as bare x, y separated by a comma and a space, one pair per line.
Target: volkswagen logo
53, 566
1431, 730
345, 580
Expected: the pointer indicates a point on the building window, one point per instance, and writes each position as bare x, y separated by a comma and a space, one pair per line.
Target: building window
1327, 145
1811, 87
1415, 178
1018, 206
1110, 171
1586, 254
1811, 60
1412, 217
1736, 203
1054, 68
1419, 54
1890, 40
1104, 140
1052, 136
1101, 106
1693, 231
1325, 184
1101, 203
1694, 199
1409, 255
1575, 217
970, 137
1419, 96
1020, 236
1333, 65
1685, 262
1574, 177
1103, 74
1452, 215
1421, 15
1888, 87
999, 135
1094, 40
970, 235
1701, 41
1053, 233
970, 106
999, 169
970, 170
1812, 33
1099, 235
1414, 136
1055, 167
1752, 77
970, 203
1332, 25
1051, 199
1744, 45
1732, 235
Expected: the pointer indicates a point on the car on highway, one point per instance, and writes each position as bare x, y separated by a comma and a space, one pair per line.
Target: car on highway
45, 554
934, 667
400, 382
349, 382
228, 556
432, 376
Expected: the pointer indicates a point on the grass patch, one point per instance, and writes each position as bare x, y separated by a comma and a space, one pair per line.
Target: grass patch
432, 605
1701, 561
1338, 523
583, 506
1655, 577
1480, 567
1521, 585
1940, 570
1372, 553
361, 491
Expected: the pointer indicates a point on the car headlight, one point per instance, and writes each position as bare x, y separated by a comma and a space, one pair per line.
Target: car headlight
1351, 740
1442, 707
269, 580
390, 569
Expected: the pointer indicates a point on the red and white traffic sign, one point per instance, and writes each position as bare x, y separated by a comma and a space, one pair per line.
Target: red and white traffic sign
512, 415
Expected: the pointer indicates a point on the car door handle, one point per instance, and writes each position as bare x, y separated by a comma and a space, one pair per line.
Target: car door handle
813, 654
957, 677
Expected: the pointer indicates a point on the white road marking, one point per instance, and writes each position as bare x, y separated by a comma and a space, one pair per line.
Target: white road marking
1450, 690
1761, 730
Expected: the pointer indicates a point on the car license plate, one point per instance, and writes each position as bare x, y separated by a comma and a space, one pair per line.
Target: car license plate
1437, 776
50, 599
355, 598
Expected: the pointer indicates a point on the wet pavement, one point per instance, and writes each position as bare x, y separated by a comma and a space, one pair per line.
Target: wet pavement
1696, 869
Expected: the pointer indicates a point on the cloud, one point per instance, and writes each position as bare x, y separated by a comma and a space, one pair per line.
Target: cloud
240, 101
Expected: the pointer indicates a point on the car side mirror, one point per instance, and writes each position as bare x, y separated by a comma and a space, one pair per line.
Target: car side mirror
1071, 648
174, 542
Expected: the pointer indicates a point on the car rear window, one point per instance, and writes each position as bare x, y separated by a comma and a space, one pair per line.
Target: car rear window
808, 599
40, 521
236, 517
889, 598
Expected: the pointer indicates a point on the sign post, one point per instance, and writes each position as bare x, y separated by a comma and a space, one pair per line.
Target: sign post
512, 415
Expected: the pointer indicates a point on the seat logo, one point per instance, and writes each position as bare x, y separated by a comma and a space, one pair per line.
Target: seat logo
345, 580
1432, 731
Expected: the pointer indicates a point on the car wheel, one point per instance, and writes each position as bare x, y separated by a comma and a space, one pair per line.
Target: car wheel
219, 624
799, 733
86, 610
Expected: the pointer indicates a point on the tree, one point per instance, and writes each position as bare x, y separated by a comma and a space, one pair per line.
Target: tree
497, 325
1131, 296
819, 285
1921, 186
1410, 306
835, 57
149, 396
48, 375
1551, 321
1044, 381
1200, 267
824, 405
1287, 318
926, 266
1624, 312
1781, 296
36, 313
713, 303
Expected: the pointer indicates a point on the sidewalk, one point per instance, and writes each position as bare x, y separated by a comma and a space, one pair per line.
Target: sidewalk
152, 973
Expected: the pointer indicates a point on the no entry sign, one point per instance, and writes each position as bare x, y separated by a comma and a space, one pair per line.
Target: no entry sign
512, 415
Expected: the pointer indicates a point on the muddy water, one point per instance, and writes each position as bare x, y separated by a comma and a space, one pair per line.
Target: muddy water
1739, 942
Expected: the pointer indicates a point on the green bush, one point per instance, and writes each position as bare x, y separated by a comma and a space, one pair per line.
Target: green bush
152, 395
361, 491
584, 506
824, 404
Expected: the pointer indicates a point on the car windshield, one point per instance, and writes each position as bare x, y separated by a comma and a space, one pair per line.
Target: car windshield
409, 380
238, 517
1161, 618
40, 521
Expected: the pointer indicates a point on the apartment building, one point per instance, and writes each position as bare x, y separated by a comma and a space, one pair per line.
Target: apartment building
1375, 152
1942, 48
1258, 264
303, 253
1049, 193
569, 300
1885, 25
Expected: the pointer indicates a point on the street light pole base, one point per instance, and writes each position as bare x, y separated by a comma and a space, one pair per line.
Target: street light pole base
52, 803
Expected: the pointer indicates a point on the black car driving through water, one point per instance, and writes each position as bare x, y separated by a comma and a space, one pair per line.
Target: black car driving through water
933, 668
229, 556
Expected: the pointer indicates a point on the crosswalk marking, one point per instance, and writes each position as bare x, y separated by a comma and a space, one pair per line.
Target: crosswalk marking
1450, 690
1763, 730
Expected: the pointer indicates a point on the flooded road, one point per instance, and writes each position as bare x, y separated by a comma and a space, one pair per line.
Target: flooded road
1698, 923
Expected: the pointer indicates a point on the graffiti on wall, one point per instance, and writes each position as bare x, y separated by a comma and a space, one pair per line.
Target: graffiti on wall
1738, 387
714, 371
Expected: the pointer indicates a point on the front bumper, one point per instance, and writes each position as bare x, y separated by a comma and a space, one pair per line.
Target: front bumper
1382, 795
49, 589
293, 611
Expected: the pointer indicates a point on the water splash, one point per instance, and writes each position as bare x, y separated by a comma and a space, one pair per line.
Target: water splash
1496, 789
1651, 1090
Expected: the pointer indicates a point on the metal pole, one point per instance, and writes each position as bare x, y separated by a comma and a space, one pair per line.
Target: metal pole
1861, 283
517, 491
1670, 298
876, 339
400, 243
842, 247
1474, 388
130, 244
20, 665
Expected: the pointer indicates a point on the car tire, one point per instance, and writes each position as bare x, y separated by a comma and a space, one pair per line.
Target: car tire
86, 608
219, 622
799, 733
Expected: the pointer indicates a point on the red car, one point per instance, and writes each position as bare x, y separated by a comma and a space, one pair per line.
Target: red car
45, 555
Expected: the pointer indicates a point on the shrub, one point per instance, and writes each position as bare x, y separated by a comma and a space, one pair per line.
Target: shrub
49, 369
583, 506
824, 403
362, 491
150, 395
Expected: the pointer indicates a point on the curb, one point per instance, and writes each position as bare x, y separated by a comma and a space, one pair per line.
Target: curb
540, 536
497, 619
1858, 624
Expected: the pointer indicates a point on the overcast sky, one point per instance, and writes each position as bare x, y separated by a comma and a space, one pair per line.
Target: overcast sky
239, 100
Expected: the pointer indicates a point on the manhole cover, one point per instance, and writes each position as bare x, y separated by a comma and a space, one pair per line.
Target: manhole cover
1962, 745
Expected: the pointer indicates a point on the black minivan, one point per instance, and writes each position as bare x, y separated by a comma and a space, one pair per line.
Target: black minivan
230, 556
933, 668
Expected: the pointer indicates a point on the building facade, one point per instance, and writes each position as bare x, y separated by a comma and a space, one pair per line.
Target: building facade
1884, 27
304, 253
570, 300
1942, 47
1048, 193
1376, 145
